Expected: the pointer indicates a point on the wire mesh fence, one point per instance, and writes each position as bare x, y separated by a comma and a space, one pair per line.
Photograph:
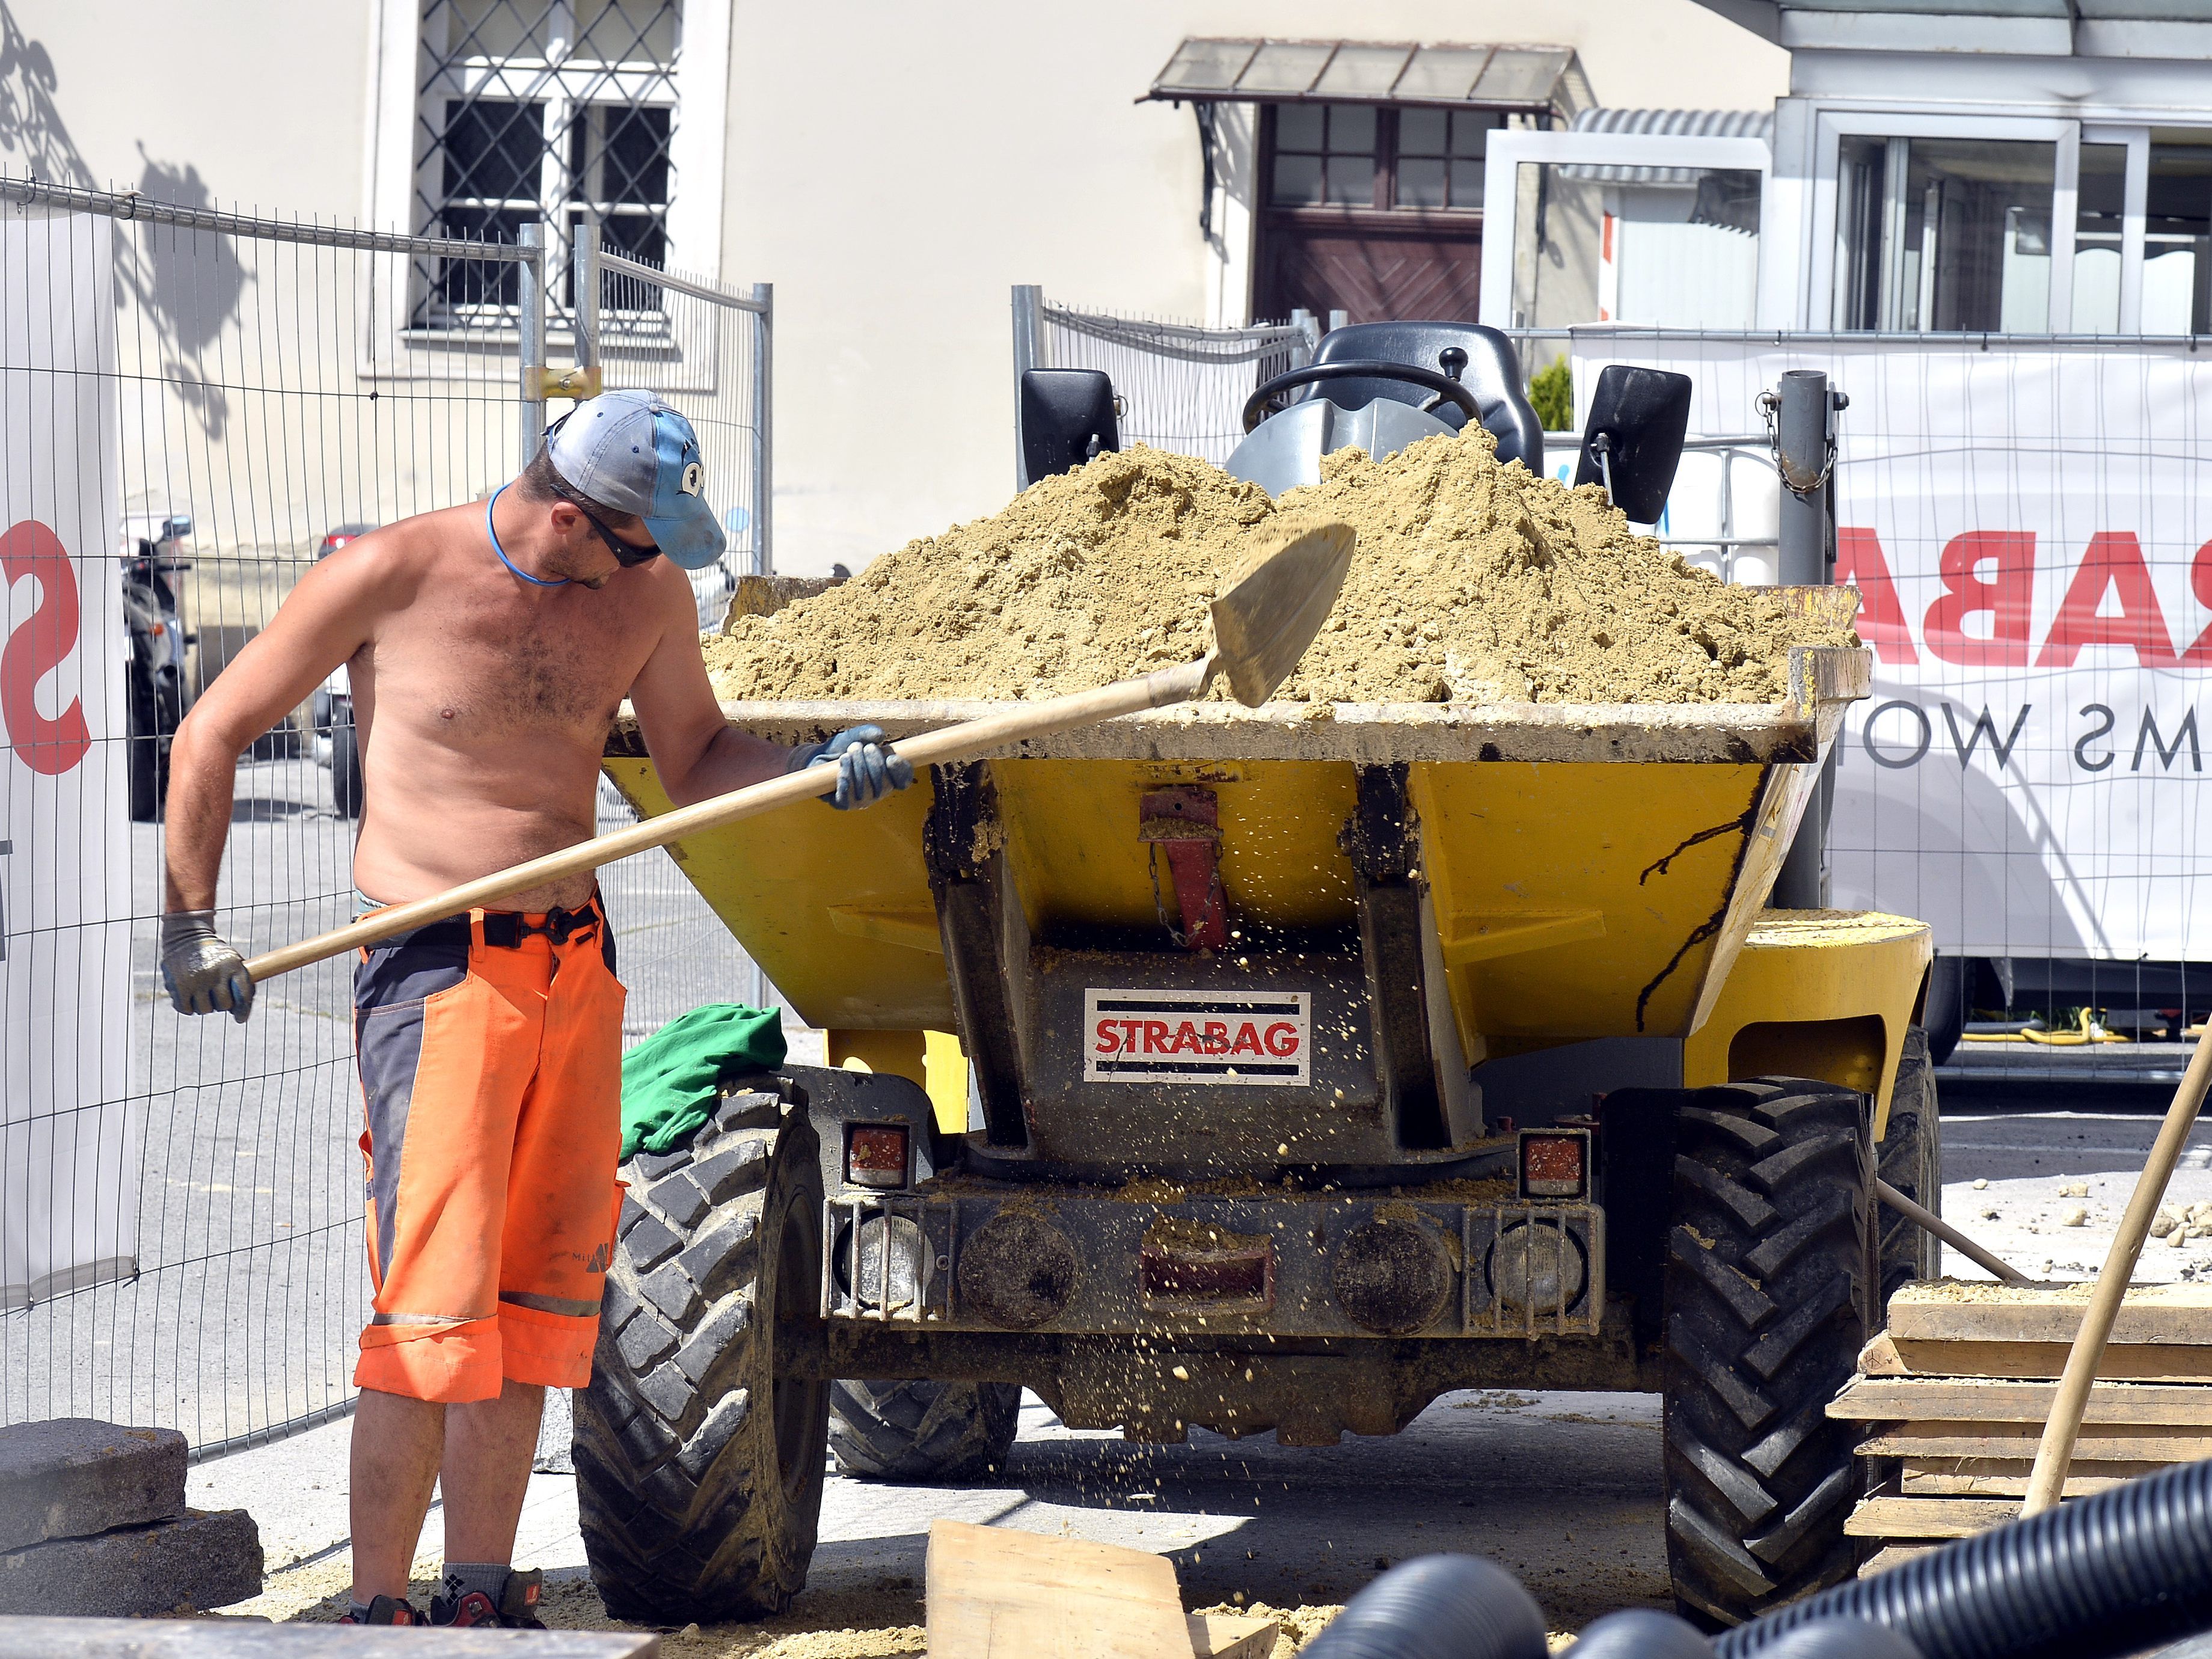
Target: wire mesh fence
193, 401
1181, 387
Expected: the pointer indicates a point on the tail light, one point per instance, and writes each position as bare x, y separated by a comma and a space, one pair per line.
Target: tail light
1555, 1162
875, 1154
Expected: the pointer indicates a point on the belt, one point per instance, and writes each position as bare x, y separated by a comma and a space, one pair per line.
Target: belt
503, 930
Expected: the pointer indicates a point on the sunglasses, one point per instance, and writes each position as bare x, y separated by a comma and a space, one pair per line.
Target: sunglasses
626, 556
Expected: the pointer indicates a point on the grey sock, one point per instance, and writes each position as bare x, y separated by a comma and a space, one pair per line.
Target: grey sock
462, 1576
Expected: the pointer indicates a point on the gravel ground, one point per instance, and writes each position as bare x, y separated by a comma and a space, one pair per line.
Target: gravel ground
1562, 1488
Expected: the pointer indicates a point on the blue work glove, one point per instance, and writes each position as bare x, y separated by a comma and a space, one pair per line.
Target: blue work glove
867, 772
202, 972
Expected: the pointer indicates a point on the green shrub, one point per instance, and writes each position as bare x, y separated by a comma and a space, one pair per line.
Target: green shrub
1551, 395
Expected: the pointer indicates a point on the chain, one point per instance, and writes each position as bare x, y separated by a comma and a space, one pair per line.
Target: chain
1770, 409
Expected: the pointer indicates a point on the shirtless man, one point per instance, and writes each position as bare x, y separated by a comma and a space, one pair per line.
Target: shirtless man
488, 648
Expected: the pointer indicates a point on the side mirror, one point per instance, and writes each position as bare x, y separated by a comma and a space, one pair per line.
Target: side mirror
1632, 441
1068, 417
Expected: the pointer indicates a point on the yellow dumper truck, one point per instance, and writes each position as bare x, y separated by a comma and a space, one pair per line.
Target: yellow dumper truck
1275, 1070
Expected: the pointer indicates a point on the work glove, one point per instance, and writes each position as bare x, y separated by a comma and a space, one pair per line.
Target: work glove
202, 974
867, 772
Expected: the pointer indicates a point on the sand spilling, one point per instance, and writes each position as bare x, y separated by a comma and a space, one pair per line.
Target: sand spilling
1472, 582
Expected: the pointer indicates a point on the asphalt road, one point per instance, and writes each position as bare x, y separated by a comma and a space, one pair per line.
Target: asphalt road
1562, 1488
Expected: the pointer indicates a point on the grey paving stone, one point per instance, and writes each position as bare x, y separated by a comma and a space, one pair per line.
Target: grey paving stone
203, 1560
70, 1477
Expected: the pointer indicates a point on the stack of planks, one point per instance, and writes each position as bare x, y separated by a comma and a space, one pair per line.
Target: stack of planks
1954, 1396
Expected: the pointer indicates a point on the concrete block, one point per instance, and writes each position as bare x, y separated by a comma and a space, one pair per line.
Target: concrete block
206, 1559
75, 1476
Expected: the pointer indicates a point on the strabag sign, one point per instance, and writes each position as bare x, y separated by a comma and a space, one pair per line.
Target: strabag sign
1197, 1036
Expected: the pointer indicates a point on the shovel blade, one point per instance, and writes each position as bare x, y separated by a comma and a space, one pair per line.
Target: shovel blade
1276, 603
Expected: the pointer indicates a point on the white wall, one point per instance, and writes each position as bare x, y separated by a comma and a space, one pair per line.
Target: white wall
893, 168
896, 167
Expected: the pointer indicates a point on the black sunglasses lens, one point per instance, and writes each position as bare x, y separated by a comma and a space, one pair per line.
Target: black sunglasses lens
626, 556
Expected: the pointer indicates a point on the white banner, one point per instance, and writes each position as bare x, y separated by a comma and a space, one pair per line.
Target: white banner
2025, 527
69, 1153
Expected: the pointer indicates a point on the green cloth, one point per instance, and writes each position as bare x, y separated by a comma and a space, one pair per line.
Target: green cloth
670, 1081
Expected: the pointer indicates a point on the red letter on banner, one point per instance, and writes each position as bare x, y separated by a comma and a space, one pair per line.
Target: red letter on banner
2008, 598
35, 650
1860, 560
2115, 561
2199, 655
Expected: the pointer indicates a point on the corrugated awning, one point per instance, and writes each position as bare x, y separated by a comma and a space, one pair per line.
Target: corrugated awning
1532, 77
1684, 122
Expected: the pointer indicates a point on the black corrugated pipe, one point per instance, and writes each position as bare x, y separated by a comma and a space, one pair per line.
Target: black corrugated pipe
1437, 1607
2094, 1578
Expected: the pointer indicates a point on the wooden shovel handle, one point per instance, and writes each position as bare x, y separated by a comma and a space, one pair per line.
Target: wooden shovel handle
2054, 1454
1154, 690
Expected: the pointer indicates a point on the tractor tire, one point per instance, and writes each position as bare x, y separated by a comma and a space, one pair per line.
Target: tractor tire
1911, 1160
922, 1433
1770, 1273
699, 1453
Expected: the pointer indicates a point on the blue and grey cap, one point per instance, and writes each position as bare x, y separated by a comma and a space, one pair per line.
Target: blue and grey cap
634, 453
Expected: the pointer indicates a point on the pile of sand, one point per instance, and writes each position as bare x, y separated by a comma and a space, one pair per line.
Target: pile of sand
1472, 582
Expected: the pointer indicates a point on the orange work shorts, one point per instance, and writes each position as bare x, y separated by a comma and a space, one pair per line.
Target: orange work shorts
491, 1058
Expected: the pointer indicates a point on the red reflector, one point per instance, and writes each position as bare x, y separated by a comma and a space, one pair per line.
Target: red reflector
875, 1154
1554, 1162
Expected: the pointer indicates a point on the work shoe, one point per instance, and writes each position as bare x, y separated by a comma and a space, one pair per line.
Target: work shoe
386, 1610
516, 1609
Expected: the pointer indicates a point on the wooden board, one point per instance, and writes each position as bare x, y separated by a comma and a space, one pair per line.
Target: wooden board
1929, 1517
1893, 1555
994, 1593
1948, 1480
1888, 1356
2151, 1450
1229, 1636
2160, 1315
1884, 1399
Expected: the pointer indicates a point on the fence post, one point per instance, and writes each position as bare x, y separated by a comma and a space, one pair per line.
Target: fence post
1029, 352
1309, 327
533, 342
1804, 416
764, 429
585, 266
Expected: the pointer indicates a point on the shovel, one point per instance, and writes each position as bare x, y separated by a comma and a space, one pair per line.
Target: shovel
1263, 621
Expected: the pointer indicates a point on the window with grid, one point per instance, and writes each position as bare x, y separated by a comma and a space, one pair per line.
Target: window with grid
553, 111
1365, 155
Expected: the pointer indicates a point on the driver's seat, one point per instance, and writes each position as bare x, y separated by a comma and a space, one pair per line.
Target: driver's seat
1493, 373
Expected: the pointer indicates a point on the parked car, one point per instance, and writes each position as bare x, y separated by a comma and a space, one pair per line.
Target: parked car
330, 712
156, 687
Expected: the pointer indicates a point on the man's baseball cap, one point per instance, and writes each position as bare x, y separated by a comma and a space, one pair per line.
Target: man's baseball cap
636, 454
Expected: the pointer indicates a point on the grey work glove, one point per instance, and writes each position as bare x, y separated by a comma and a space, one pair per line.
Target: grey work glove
867, 772
202, 974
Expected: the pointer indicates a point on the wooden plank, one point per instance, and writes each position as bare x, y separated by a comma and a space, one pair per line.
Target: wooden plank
1948, 1480
1929, 1517
1229, 1636
1888, 1356
2150, 1451
2165, 1315
33, 1637
1882, 1399
994, 1593
1893, 1555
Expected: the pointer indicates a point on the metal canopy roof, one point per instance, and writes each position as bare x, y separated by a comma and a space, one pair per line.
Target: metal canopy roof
2077, 29
1510, 77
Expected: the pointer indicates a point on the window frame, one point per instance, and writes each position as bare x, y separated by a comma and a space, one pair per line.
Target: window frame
1382, 209
1508, 151
394, 345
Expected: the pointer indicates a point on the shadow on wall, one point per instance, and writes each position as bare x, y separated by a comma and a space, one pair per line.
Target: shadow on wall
190, 282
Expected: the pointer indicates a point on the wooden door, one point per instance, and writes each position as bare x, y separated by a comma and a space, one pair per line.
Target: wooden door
1374, 273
